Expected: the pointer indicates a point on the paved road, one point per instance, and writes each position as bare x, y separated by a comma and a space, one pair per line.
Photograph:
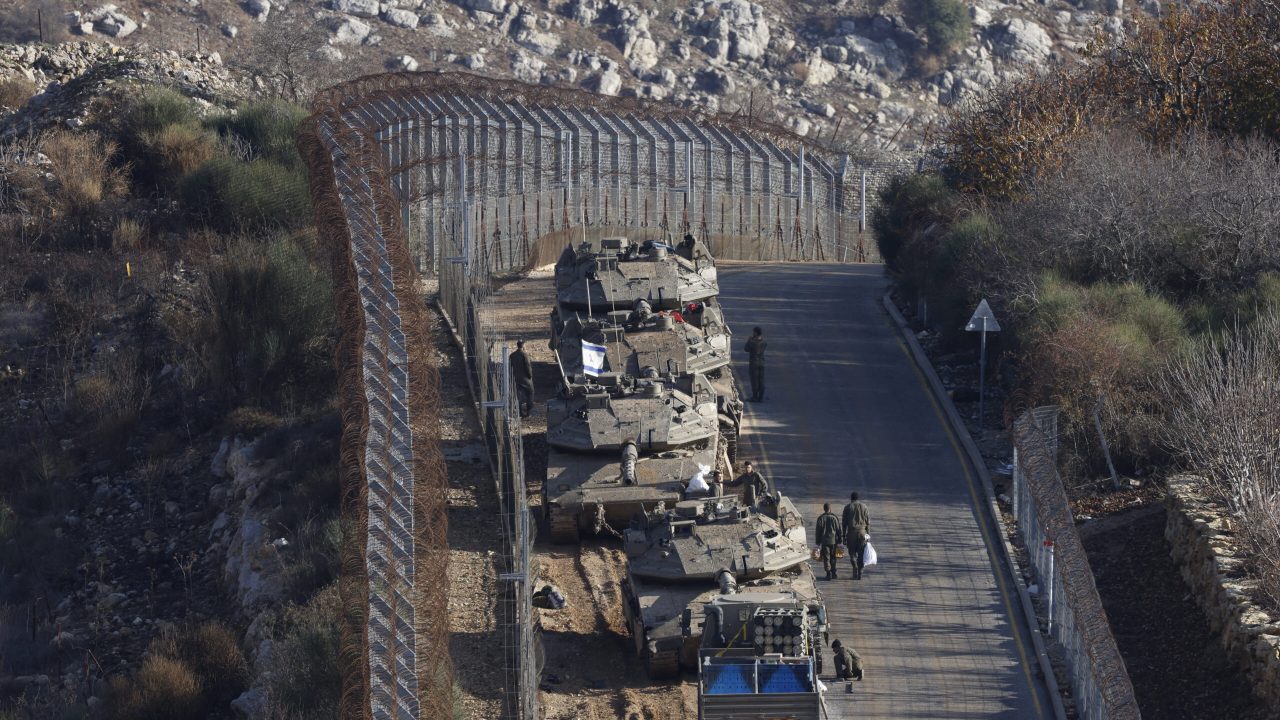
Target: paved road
846, 410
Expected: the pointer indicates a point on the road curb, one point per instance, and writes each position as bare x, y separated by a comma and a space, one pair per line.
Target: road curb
980, 467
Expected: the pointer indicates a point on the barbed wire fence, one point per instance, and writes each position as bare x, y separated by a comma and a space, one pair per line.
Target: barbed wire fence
474, 177
1100, 683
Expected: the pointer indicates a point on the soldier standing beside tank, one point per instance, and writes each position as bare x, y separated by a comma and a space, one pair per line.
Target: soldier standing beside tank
755, 353
828, 536
522, 374
856, 526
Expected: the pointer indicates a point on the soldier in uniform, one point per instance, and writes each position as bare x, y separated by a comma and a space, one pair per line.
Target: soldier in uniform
856, 526
755, 353
522, 374
848, 662
828, 536
751, 478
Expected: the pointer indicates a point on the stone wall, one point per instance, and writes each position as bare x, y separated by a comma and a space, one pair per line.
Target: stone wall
1198, 530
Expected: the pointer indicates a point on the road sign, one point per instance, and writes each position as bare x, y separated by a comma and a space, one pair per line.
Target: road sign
983, 312
983, 321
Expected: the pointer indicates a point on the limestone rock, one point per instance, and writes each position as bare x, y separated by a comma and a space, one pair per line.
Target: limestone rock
1022, 41
350, 31
258, 9
818, 72
609, 82
359, 8
401, 18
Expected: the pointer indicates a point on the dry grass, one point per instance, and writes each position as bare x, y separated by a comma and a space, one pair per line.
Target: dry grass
179, 149
86, 180
15, 92
214, 657
129, 234
799, 71
111, 400
163, 689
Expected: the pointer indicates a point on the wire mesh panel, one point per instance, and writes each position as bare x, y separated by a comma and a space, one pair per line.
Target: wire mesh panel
1099, 681
466, 177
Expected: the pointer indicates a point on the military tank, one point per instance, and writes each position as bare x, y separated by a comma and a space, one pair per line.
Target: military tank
659, 430
613, 273
695, 340
681, 560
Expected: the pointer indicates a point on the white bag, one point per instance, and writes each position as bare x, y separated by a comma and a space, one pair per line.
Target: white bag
868, 555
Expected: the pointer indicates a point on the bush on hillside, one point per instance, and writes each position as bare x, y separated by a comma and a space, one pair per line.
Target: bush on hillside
237, 196
910, 208
15, 92
268, 127
187, 675
264, 334
87, 185
1105, 339
946, 23
306, 681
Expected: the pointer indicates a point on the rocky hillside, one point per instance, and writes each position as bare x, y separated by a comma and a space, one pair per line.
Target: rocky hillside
874, 73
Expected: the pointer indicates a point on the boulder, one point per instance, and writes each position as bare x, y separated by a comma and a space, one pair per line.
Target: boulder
401, 18
1022, 41
608, 82
359, 8
403, 62
350, 31
259, 9
745, 27
715, 81
817, 72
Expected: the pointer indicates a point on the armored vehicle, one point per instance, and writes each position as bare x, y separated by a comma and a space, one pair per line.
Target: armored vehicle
760, 655
694, 340
620, 445
612, 273
682, 559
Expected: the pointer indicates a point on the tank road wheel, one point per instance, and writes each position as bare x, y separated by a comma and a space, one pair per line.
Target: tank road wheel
563, 526
662, 665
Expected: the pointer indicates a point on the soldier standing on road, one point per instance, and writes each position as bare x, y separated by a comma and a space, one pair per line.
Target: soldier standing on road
755, 353
522, 374
848, 662
856, 527
828, 537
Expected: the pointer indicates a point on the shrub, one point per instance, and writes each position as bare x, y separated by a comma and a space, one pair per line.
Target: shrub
86, 180
129, 234
163, 689
111, 400
946, 23
158, 108
15, 92
910, 205
175, 151
257, 195
270, 127
306, 680
213, 656
264, 335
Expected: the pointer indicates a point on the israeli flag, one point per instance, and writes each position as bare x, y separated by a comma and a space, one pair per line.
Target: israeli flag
592, 358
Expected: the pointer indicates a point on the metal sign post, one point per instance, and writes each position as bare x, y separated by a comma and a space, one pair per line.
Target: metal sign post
983, 321
1049, 587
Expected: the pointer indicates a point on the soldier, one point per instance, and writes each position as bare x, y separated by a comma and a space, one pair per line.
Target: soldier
717, 483
828, 536
856, 528
848, 662
752, 479
755, 352
522, 374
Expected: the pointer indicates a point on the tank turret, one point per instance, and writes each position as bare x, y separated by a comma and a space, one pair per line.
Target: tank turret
613, 273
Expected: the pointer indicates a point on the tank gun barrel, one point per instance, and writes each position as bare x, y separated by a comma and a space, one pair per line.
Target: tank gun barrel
629, 456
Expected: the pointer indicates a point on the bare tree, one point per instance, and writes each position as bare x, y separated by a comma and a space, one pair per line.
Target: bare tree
284, 54
1222, 403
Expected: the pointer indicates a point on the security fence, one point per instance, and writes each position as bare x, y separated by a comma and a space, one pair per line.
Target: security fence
472, 177
1099, 681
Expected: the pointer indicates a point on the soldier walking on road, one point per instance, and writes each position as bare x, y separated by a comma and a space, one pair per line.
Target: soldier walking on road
848, 662
856, 528
828, 537
522, 374
755, 354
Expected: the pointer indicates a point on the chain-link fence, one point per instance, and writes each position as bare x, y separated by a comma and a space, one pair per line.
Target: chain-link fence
1076, 620
474, 176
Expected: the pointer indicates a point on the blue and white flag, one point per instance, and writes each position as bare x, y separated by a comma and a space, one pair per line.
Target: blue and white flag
592, 358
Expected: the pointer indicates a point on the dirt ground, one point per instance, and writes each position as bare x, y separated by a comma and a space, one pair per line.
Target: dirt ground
474, 537
591, 672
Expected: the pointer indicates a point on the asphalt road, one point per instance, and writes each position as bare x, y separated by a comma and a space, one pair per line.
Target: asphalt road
845, 409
